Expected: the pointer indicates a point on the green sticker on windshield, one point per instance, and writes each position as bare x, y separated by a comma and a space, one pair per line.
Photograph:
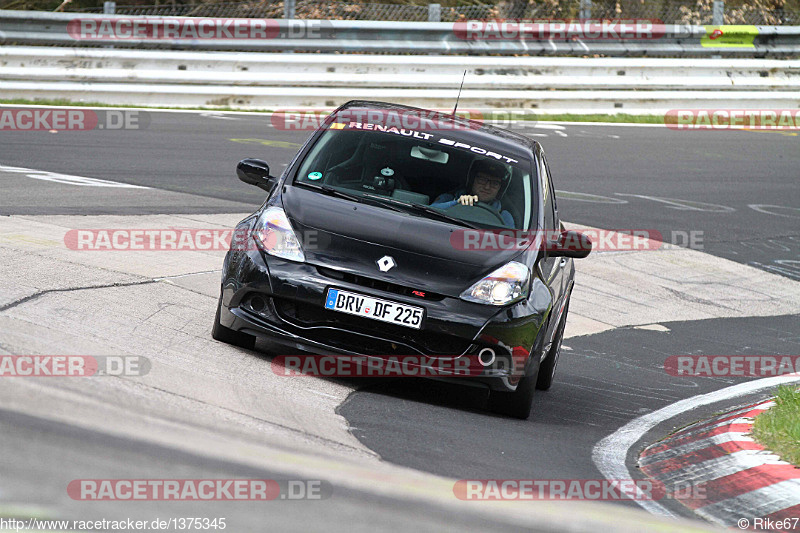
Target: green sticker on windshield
315, 176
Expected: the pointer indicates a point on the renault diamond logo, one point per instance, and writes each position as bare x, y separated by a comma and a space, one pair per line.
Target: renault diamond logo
386, 263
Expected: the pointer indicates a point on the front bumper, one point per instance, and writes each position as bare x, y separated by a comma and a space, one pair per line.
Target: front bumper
283, 302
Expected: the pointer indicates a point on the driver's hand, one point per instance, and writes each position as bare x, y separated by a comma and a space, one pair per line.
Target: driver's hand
467, 199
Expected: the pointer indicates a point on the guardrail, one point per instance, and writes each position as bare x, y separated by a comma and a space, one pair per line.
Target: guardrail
41, 28
270, 81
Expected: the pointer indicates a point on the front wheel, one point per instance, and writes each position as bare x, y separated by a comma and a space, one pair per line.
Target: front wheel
515, 404
547, 371
229, 336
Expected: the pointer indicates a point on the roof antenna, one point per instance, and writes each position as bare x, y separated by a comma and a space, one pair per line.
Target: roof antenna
459, 92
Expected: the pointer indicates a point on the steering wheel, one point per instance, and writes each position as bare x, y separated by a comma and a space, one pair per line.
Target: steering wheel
484, 207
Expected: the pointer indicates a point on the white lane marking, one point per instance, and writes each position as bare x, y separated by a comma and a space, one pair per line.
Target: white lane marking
768, 244
791, 270
585, 197
764, 208
541, 126
525, 125
586, 135
218, 115
684, 205
759, 502
610, 454
68, 179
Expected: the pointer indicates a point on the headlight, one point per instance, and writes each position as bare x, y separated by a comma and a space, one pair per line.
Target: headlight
505, 285
276, 236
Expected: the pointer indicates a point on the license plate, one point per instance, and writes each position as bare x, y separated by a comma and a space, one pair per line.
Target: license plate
375, 308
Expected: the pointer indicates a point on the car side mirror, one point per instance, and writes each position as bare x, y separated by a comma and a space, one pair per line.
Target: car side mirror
256, 172
570, 244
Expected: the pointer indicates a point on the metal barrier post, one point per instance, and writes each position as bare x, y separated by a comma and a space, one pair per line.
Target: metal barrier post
718, 18
289, 9
586, 9
109, 8
718, 14
434, 12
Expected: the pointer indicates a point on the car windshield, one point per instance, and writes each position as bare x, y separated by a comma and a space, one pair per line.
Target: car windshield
425, 174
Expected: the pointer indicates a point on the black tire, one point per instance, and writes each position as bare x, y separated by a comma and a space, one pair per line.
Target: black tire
515, 404
547, 370
229, 336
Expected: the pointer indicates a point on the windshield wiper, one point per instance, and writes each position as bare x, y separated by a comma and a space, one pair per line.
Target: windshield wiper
423, 209
331, 191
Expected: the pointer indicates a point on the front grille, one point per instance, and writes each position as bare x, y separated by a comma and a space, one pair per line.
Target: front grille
397, 339
377, 284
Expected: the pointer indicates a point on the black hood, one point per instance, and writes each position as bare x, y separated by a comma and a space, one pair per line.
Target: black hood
352, 237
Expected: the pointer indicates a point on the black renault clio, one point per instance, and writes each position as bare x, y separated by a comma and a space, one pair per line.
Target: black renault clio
396, 230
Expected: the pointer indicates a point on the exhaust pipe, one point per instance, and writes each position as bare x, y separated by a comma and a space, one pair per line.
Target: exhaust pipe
486, 356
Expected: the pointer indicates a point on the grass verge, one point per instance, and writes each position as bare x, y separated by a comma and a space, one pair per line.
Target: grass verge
621, 118
778, 429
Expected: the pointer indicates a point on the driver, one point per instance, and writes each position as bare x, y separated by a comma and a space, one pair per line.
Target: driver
486, 180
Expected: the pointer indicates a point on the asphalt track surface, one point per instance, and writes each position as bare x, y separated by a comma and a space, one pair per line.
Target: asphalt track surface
603, 381
737, 190
43, 457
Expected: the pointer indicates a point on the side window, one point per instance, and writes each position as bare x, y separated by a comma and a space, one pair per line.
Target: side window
552, 194
547, 196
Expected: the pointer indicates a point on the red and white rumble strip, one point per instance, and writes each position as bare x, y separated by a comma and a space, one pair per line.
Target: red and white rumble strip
735, 477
